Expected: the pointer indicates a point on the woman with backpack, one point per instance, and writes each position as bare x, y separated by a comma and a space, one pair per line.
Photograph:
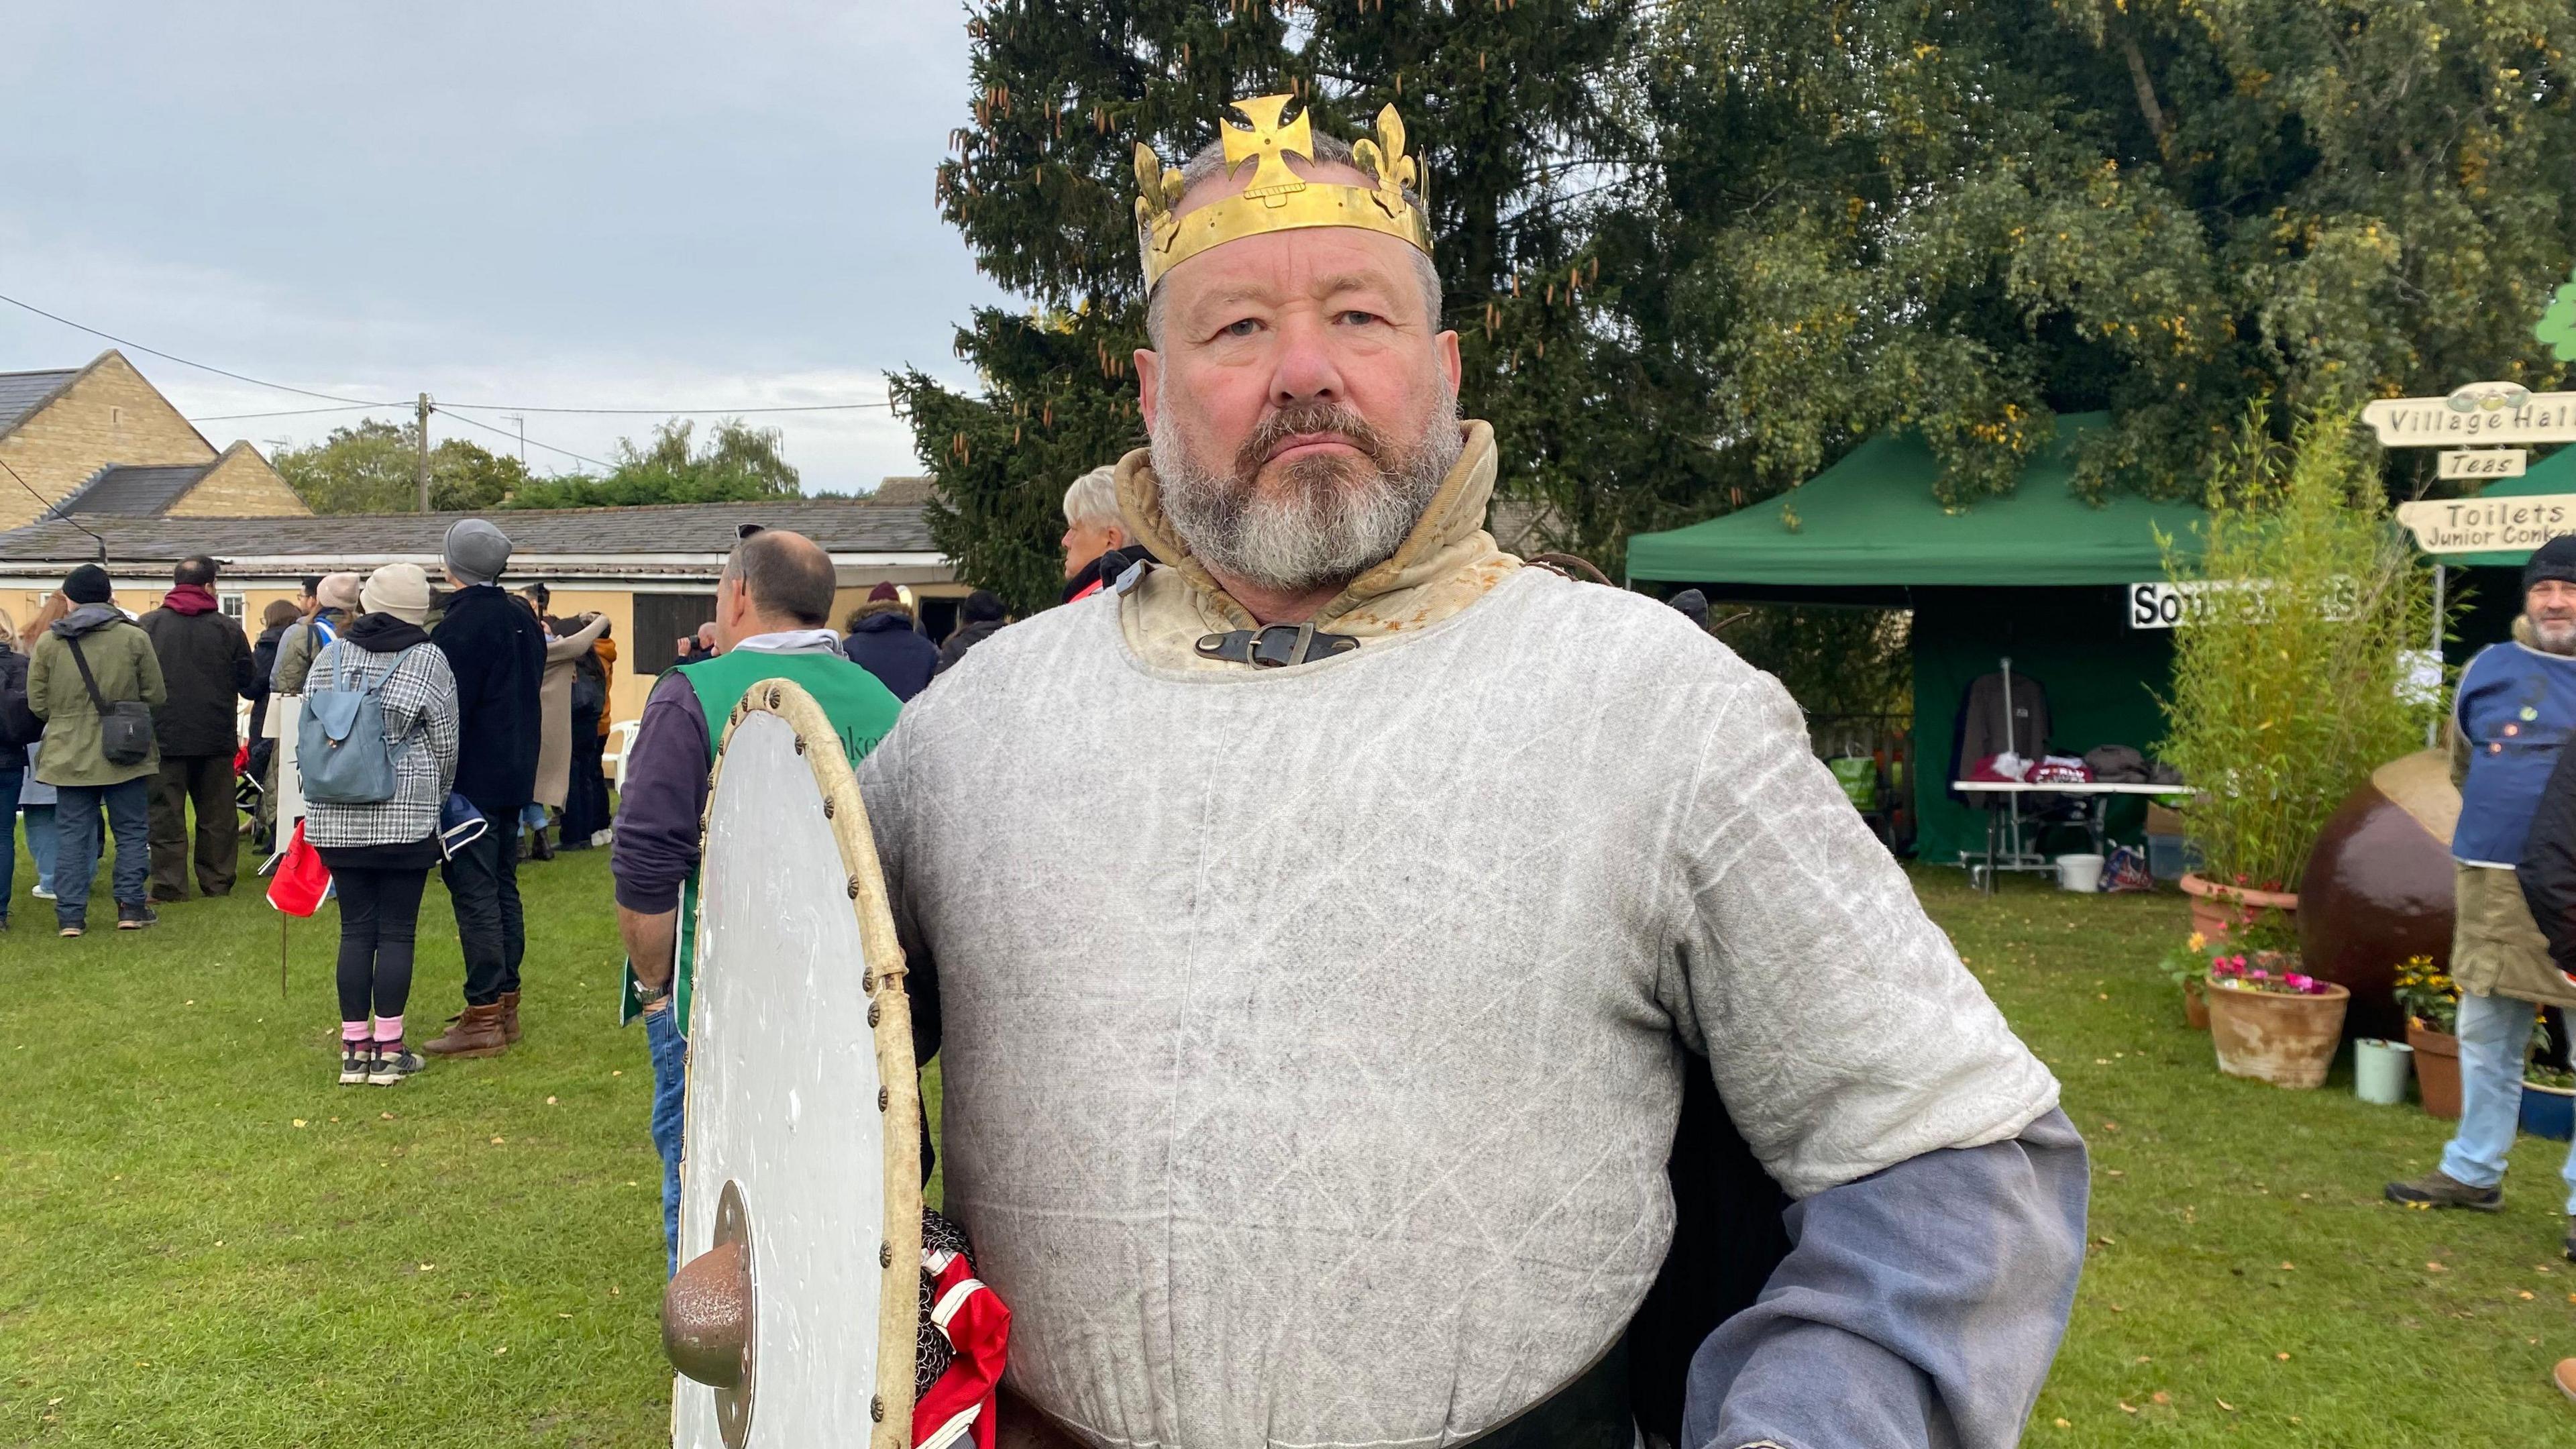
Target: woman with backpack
372, 803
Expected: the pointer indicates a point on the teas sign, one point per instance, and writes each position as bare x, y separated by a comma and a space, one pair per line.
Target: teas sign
2482, 412
2484, 525
2485, 462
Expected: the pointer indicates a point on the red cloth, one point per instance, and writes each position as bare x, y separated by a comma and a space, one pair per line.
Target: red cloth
189, 599
301, 878
1088, 590
960, 1405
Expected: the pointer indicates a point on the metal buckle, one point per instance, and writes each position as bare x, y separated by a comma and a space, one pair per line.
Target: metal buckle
1280, 645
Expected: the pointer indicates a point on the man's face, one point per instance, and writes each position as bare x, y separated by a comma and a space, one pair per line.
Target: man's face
2550, 605
1303, 408
1084, 542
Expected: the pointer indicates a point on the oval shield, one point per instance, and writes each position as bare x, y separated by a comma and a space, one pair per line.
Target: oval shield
792, 1318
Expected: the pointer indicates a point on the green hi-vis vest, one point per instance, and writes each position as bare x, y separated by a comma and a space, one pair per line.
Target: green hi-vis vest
861, 711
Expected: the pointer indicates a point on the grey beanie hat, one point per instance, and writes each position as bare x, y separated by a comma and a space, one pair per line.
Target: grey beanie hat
476, 551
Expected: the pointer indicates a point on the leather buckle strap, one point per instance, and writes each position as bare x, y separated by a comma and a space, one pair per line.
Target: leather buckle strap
1276, 647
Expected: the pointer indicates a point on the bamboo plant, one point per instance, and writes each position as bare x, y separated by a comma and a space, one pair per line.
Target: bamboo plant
2293, 674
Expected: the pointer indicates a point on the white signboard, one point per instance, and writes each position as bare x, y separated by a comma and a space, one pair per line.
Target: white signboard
2171, 605
2482, 412
2483, 525
2158, 606
2485, 462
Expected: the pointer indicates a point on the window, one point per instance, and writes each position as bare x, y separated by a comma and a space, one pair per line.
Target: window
232, 606
660, 620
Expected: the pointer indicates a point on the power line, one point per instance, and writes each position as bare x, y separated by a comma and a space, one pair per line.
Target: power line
298, 412
671, 412
50, 505
531, 442
186, 362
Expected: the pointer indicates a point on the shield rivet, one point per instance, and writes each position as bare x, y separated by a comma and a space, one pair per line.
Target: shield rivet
882, 1100
872, 1019
800, 744
854, 888
885, 1255
777, 697
868, 983
876, 1407
827, 807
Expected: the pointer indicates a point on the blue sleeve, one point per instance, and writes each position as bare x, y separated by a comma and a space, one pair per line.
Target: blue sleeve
1919, 1306
655, 845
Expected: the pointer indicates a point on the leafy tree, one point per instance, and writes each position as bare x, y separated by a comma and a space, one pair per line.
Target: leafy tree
737, 462
370, 468
1503, 102
1970, 218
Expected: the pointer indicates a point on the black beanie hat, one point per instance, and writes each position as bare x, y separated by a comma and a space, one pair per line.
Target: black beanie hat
89, 584
2555, 559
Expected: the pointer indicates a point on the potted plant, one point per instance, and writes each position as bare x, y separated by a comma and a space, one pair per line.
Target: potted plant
2432, 1006
2188, 966
2271, 1022
2548, 1094
2290, 677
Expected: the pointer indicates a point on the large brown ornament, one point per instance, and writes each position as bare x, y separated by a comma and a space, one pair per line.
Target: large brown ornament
2378, 887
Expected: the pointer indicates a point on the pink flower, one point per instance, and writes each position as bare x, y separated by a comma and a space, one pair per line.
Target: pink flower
2297, 982
2221, 966
2259, 974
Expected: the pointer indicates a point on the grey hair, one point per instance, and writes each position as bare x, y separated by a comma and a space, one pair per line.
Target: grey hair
1093, 498
1209, 164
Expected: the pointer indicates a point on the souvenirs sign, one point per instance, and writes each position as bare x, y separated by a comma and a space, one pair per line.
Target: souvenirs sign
793, 1317
2489, 525
2485, 462
2482, 412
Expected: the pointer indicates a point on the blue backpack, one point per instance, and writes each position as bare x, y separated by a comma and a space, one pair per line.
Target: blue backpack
341, 746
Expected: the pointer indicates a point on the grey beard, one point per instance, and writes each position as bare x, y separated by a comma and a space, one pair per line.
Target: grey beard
1331, 526
2554, 638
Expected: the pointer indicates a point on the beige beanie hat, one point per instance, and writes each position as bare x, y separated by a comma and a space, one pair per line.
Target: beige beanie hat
337, 591
401, 590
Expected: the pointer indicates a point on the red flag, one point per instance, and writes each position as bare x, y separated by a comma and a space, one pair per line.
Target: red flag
301, 878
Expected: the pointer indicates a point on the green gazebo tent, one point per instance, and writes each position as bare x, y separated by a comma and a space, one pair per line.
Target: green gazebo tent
2040, 575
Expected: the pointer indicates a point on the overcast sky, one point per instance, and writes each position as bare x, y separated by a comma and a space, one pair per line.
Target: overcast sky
653, 202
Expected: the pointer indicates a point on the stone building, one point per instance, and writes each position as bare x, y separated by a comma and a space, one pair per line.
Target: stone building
101, 440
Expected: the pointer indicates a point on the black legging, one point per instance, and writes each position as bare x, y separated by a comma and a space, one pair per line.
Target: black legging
379, 911
586, 796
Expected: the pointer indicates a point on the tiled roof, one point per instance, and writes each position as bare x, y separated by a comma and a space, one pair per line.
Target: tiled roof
22, 393
131, 490
674, 534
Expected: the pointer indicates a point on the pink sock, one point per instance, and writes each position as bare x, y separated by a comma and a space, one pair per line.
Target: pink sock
353, 1031
389, 1031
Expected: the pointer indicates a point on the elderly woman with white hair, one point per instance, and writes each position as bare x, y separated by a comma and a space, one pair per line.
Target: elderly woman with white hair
1092, 527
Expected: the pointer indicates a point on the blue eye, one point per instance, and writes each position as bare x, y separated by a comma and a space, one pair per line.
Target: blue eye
1244, 328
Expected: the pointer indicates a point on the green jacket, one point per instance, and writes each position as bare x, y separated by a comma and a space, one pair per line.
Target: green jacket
121, 658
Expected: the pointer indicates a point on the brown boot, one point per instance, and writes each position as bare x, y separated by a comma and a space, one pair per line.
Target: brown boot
510, 1016
476, 1032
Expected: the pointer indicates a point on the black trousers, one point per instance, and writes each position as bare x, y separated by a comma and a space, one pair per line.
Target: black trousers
585, 811
379, 918
483, 881
205, 781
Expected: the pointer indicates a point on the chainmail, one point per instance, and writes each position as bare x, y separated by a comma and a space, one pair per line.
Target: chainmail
931, 1353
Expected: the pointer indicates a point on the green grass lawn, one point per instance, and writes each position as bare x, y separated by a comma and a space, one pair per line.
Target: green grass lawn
205, 1241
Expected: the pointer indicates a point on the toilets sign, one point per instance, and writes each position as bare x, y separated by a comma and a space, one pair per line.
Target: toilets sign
2489, 525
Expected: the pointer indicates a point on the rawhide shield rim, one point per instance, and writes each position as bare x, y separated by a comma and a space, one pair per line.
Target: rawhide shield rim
801, 1091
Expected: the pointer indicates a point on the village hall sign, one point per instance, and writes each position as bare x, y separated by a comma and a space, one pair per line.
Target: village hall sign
2481, 413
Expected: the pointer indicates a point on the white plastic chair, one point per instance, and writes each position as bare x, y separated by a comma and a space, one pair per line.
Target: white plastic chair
621, 739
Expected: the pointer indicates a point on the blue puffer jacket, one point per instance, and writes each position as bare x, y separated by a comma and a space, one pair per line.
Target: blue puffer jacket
883, 642
2515, 707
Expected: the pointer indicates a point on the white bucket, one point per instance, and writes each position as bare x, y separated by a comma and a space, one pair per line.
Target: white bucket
2079, 873
2380, 1069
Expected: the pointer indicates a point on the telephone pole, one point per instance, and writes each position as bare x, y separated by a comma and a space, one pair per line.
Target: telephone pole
421, 471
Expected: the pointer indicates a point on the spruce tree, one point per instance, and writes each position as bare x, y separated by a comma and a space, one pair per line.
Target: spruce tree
1508, 101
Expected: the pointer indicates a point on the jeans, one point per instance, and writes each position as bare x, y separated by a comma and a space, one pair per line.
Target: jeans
76, 807
379, 917
670, 1076
2495, 1035
483, 883
205, 782
43, 836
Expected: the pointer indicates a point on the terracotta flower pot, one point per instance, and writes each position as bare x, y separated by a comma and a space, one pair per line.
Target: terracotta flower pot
2218, 909
2437, 1068
2195, 1002
2286, 1040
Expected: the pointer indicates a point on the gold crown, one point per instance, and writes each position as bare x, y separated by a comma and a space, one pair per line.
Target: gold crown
1279, 199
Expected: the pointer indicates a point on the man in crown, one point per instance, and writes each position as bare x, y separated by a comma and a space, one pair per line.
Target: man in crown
1322, 1094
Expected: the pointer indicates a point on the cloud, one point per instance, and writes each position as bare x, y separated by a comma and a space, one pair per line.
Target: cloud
591, 205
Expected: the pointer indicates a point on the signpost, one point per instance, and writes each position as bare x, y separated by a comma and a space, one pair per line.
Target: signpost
2488, 525
2482, 412
2485, 462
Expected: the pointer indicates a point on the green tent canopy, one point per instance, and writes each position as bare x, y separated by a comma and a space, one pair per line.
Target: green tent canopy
2041, 576
1871, 519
